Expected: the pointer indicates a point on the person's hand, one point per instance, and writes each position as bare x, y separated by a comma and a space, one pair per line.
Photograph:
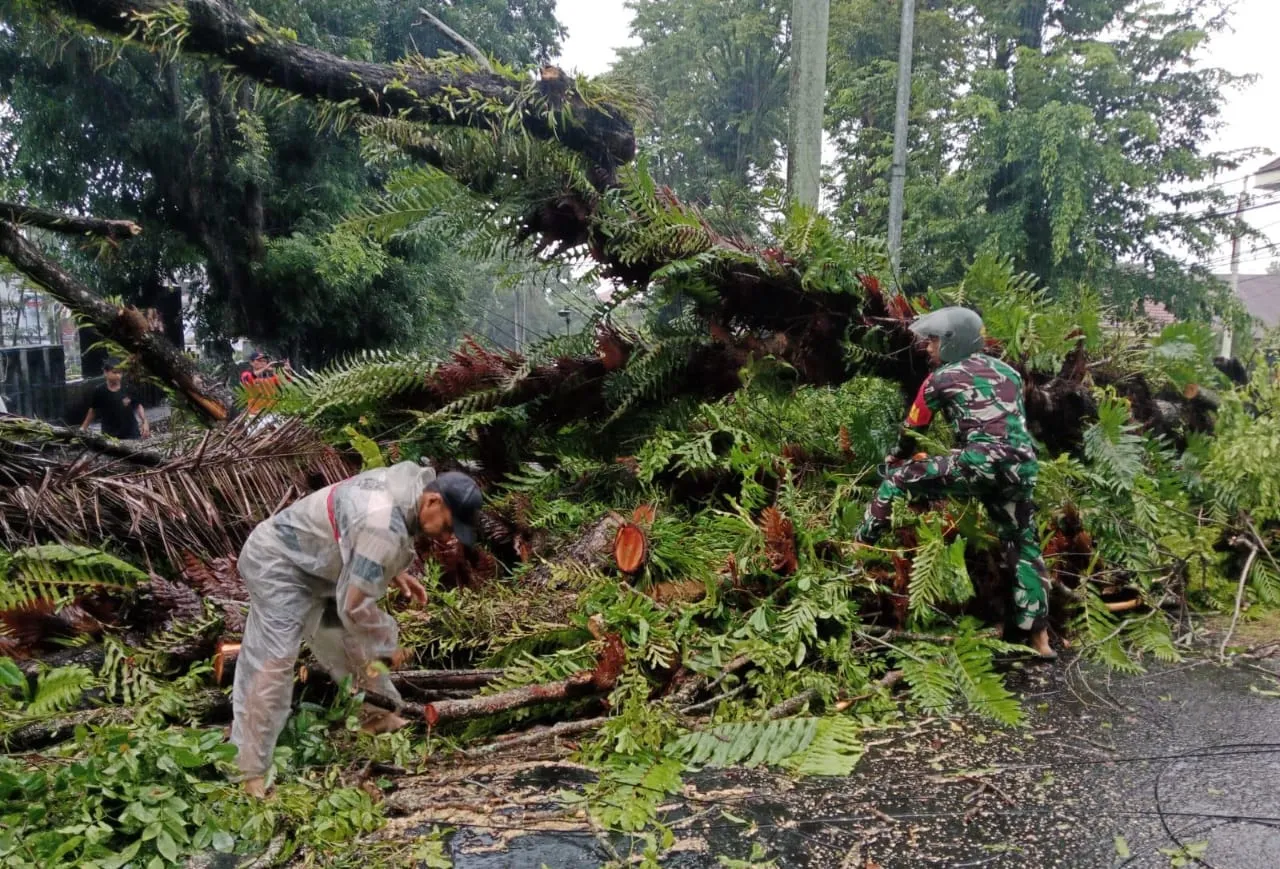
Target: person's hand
411, 588
146, 430
256, 787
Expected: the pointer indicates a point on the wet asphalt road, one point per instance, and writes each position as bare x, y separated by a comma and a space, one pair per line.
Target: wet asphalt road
1182, 763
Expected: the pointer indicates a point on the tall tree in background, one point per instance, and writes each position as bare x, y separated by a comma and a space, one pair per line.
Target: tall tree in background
1056, 133
235, 188
1061, 134
718, 74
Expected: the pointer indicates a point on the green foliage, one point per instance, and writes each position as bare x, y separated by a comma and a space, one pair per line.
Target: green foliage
807, 746
1113, 446
250, 217
153, 795
941, 676
1034, 330
1245, 448
360, 383
938, 573
370, 454
1182, 355
717, 76
55, 691
57, 573
1018, 147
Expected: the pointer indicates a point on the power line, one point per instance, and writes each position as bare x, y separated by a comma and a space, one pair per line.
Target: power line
1233, 212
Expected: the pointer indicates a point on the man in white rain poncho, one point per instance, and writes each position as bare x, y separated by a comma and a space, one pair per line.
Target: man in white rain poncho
315, 571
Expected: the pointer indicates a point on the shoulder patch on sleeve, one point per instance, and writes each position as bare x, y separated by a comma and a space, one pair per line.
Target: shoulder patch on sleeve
920, 414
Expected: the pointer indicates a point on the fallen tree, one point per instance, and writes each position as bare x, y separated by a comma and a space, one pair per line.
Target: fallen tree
747, 428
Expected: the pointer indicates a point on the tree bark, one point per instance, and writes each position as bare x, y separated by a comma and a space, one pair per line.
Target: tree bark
444, 679
591, 551
25, 215
476, 100
126, 326
444, 711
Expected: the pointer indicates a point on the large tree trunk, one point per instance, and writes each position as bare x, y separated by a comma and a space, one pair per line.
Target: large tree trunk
478, 100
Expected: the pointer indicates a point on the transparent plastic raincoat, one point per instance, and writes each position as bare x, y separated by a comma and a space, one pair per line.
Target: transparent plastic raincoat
299, 567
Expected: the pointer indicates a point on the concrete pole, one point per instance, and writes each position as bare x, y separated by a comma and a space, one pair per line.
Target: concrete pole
1235, 265
898, 178
808, 95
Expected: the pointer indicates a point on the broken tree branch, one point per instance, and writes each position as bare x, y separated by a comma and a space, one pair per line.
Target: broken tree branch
71, 224
457, 39
538, 735
126, 326
443, 679
273, 57
97, 443
445, 711
1235, 615
791, 706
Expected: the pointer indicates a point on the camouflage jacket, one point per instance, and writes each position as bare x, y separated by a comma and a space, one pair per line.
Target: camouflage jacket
981, 397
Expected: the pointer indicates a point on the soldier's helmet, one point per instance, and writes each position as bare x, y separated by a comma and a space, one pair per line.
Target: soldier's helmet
960, 330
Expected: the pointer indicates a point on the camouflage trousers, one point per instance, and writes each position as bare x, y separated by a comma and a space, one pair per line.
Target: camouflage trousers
1003, 479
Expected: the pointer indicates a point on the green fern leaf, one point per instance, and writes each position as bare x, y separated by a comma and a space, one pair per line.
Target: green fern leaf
834, 750
60, 689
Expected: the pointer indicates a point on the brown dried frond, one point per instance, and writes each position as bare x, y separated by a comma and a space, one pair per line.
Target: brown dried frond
204, 499
493, 527
846, 443
780, 541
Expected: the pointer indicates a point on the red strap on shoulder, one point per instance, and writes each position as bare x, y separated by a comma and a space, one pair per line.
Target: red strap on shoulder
328, 505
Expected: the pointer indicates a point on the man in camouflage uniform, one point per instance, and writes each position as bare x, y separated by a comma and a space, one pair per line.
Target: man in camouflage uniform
996, 464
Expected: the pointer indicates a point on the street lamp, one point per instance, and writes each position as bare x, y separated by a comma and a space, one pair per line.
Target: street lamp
566, 314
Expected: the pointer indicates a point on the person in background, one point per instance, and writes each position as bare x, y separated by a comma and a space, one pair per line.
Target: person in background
116, 408
261, 383
996, 462
315, 573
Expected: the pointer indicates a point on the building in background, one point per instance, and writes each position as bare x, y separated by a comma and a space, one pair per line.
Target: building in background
1268, 177
1260, 295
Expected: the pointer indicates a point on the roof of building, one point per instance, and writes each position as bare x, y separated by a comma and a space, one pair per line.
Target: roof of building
1267, 176
1260, 295
1157, 313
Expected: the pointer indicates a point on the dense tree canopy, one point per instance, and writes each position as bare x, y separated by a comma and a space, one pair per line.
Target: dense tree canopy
237, 190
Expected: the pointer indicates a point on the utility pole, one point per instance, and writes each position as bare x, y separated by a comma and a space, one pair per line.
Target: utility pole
898, 178
1235, 265
807, 99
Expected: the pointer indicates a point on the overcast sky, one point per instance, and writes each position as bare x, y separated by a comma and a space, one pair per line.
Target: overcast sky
598, 27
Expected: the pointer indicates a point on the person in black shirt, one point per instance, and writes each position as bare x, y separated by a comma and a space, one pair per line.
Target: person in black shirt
118, 410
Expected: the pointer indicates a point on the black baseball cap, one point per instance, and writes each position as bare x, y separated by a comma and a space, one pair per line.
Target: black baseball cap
463, 497
111, 364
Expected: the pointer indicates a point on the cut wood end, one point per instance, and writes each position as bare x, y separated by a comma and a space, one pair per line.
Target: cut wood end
226, 653
1192, 390
630, 548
